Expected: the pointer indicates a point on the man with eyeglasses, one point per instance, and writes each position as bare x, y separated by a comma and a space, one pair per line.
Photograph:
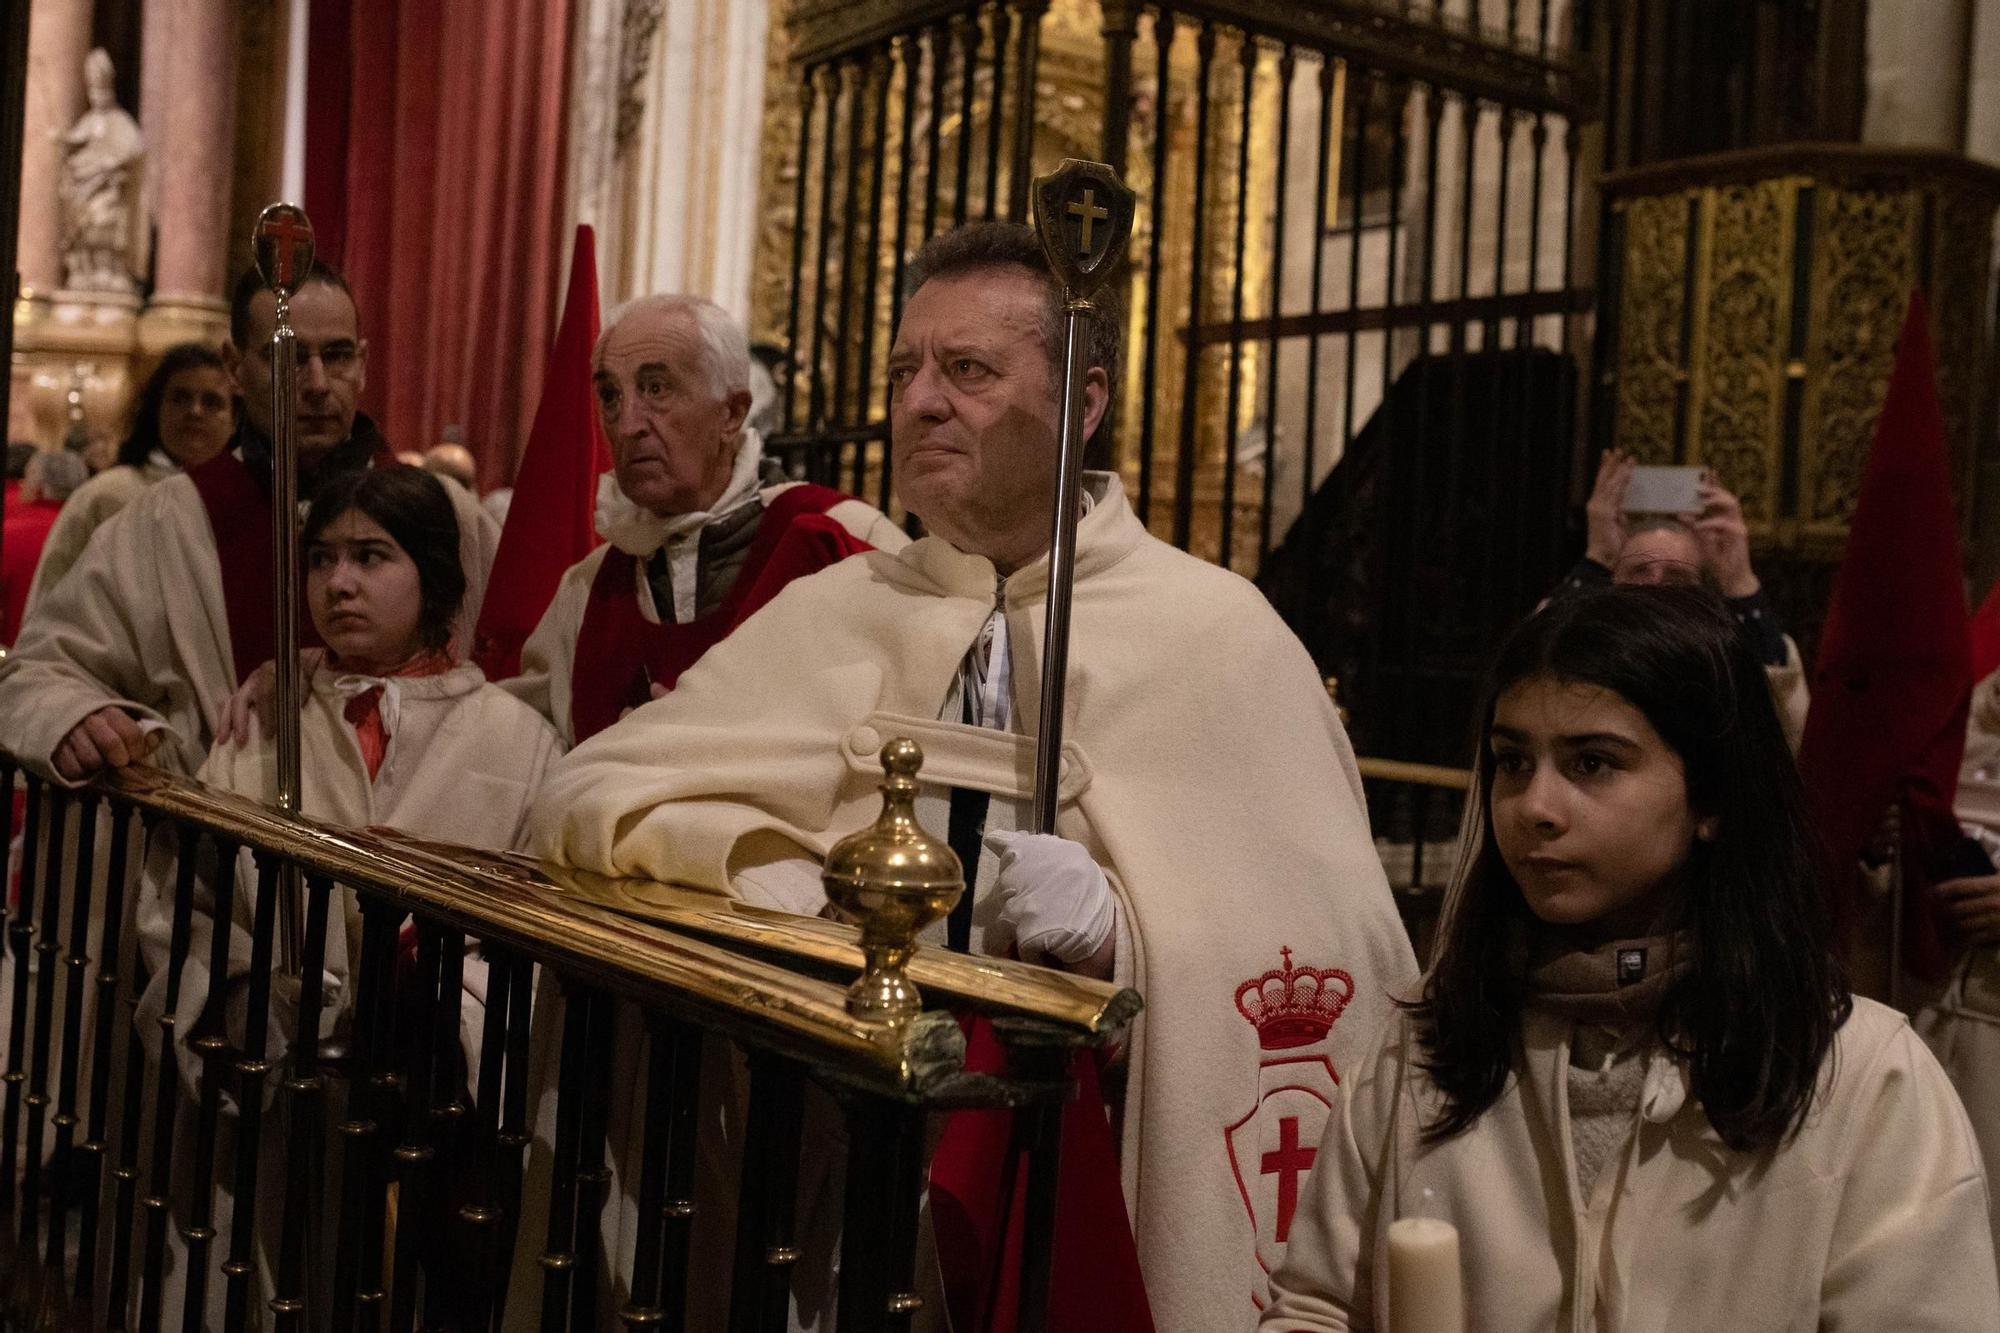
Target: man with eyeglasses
136, 652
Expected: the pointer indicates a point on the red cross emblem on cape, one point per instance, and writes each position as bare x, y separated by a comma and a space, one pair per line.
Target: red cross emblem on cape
1272, 1147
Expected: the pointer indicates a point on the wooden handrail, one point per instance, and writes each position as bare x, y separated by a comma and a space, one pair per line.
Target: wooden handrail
1423, 775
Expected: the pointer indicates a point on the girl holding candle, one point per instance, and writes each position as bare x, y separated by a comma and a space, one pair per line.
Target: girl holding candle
1635, 1078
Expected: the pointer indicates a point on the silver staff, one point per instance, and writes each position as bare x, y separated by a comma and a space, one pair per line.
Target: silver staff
283, 245
1083, 214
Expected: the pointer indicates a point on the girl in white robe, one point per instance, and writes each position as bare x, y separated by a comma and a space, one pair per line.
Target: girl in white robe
1635, 1078
394, 733
184, 417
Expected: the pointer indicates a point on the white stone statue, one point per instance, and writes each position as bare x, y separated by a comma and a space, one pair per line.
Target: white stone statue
104, 227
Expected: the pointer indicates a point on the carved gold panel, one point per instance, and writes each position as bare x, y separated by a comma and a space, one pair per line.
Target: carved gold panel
1785, 356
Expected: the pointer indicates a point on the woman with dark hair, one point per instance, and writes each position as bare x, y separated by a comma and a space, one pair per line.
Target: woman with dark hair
1634, 1077
184, 417
394, 733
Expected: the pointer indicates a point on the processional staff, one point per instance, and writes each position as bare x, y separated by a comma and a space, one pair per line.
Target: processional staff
1083, 215
283, 245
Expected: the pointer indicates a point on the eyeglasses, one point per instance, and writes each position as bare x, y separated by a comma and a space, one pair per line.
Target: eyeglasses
340, 360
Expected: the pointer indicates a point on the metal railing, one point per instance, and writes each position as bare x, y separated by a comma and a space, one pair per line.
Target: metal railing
1416, 812
401, 1170
1356, 259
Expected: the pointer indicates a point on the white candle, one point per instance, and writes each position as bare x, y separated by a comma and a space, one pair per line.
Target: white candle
1426, 1292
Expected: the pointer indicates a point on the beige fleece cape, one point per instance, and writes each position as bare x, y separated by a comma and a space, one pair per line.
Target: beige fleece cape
1204, 765
140, 621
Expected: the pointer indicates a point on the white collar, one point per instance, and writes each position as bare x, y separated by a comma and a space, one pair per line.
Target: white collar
640, 532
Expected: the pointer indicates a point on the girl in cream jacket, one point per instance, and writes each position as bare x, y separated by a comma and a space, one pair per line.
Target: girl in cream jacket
1635, 1078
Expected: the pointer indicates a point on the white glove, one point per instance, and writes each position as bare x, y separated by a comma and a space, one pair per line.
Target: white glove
1052, 895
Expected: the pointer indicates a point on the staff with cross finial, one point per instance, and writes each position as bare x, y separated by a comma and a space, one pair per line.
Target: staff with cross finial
283, 245
1082, 257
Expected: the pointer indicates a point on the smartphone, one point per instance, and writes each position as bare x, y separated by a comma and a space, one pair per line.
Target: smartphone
1663, 490
1963, 857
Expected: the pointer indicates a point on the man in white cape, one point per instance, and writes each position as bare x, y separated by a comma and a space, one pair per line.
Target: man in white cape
1212, 844
136, 652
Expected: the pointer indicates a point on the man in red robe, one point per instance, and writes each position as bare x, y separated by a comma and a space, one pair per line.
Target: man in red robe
700, 528
137, 651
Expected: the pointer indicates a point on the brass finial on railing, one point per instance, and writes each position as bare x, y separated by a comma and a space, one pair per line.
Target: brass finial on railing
893, 879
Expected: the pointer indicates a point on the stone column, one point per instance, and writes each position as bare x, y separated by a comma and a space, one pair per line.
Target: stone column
58, 40
191, 56
1917, 64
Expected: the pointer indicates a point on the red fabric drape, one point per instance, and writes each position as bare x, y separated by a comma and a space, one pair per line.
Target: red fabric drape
1894, 675
434, 176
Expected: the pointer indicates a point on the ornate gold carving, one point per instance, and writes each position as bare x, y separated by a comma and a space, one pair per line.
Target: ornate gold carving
1881, 224
1744, 278
1649, 325
1863, 270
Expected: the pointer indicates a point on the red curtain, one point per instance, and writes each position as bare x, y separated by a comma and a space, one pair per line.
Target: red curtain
434, 177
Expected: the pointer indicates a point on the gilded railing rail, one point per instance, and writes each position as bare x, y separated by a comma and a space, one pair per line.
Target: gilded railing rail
438, 1161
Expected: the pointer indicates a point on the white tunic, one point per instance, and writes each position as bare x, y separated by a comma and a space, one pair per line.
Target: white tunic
463, 763
1873, 1217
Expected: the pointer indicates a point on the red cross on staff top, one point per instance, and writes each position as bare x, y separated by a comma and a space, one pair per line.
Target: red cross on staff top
286, 228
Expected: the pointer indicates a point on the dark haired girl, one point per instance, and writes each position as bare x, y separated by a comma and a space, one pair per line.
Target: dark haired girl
1635, 1078
394, 733
184, 417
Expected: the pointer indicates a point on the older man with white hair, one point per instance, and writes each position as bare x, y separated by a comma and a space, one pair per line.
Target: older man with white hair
700, 528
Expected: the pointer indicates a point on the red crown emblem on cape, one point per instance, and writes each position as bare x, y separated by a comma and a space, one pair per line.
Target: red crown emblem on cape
1295, 1006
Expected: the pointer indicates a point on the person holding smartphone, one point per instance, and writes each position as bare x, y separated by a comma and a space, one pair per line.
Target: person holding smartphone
1706, 543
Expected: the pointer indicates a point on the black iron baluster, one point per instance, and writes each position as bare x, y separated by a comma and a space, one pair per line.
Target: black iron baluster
879, 1232
1027, 64
1358, 98
1377, 691
593, 1176
110, 945
445, 1168
1120, 25
1040, 1127
1184, 462
816, 414
240, 1268
766, 1248
871, 268
1231, 429
971, 39
1525, 338
298, 1257
211, 1040
1287, 68
645, 1310
482, 1208
371, 1117
65, 1171
1310, 435
514, 1132
1460, 331
1566, 404
131, 1109
856, 80
417, 1150
47, 946
167, 1093
807, 100
937, 41
1490, 571
1163, 41
996, 98
679, 1209
908, 58
558, 1254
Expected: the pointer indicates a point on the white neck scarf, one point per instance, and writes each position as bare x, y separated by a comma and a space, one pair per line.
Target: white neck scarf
640, 532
